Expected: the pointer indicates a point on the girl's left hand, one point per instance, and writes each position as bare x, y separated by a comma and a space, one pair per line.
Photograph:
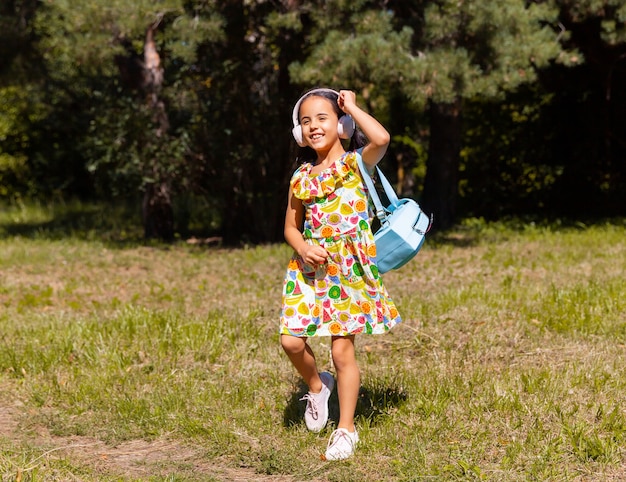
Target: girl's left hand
346, 100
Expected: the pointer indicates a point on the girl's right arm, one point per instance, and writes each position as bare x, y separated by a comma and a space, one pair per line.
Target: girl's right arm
294, 217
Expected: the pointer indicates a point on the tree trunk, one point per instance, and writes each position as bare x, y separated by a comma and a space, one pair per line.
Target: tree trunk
157, 210
442, 167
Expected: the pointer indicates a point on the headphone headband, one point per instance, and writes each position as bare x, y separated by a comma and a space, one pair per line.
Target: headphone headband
296, 108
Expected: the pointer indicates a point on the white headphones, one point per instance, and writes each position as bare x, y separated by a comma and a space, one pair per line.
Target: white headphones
345, 128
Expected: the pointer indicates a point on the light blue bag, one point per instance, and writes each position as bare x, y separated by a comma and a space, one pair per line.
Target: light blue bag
403, 224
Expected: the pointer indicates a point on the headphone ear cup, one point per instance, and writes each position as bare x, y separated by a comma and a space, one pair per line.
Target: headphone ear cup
346, 127
297, 135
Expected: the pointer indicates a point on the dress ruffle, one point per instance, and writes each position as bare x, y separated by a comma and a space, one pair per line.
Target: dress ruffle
307, 187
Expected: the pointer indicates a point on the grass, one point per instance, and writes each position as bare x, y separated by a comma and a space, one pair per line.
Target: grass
125, 361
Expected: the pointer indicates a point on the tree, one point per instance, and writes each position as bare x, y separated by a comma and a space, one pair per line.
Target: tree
246, 136
212, 123
595, 99
438, 54
18, 97
184, 101
108, 57
555, 147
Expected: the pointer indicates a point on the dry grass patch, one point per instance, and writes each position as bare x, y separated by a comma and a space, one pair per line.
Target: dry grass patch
508, 365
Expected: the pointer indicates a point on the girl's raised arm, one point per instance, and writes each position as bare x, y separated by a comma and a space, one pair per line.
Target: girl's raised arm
377, 135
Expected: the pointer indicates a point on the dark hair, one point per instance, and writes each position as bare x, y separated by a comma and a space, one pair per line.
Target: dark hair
358, 139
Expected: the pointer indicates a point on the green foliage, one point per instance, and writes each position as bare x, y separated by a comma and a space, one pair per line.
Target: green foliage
120, 142
13, 166
86, 40
487, 48
363, 53
537, 83
19, 111
505, 154
189, 32
612, 15
466, 49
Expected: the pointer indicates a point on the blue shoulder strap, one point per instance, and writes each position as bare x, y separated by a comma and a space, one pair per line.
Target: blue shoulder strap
381, 212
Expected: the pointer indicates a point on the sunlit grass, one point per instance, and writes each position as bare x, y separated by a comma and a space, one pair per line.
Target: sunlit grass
508, 365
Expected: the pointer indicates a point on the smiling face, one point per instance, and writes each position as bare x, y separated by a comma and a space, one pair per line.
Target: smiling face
319, 123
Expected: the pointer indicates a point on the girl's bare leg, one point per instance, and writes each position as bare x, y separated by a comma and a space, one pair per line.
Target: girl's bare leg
303, 359
348, 379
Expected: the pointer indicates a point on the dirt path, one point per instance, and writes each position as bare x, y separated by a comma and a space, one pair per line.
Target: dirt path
135, 459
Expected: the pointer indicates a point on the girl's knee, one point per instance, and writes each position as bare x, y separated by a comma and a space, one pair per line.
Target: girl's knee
292, 344
343, 353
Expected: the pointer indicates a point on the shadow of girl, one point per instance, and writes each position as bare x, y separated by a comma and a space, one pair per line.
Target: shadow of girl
376, 400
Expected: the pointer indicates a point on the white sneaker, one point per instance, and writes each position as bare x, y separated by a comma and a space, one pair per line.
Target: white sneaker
341, 444
316, 413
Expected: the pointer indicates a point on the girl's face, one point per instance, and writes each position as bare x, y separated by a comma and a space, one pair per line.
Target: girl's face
319, 123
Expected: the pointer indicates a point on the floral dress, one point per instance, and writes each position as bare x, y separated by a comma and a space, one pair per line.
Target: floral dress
345, 295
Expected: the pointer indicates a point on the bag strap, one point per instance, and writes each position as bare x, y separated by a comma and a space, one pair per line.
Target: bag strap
381, 211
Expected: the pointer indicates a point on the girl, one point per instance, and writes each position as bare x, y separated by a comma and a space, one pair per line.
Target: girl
332, 286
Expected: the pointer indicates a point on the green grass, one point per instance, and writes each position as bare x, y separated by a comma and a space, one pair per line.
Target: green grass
124, 361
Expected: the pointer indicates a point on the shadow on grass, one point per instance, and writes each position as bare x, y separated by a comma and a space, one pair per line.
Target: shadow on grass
471, 231
79, 220
375, 402
117, 225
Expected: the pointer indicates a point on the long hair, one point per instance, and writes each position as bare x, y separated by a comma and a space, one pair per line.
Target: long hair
358, 139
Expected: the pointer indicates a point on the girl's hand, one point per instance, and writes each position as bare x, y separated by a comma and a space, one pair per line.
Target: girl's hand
313, 254
346, 100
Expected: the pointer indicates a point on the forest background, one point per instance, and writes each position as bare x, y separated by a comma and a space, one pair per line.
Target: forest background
181, 109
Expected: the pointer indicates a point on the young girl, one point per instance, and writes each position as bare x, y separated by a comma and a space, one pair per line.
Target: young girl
332, 286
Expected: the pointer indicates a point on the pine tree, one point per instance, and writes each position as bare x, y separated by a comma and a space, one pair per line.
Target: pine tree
437, 53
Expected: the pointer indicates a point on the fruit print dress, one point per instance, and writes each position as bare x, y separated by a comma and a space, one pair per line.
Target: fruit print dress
345, 295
